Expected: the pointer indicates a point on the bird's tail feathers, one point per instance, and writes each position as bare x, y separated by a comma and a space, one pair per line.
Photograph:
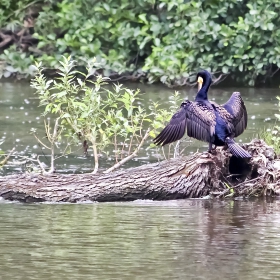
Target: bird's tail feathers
236, 149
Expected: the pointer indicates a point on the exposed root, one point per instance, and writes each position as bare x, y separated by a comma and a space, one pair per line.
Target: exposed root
262, 177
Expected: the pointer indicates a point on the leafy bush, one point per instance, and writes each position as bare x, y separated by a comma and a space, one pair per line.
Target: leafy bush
12, 11
89, 111
168, 39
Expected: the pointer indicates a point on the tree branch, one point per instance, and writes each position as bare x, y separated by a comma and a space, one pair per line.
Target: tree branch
41, 166
4, 161
134, 154
41, 142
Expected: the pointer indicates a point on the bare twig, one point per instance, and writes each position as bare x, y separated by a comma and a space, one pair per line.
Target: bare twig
4, 161
52, 139
248, 181
134, 154
275, 72
219, 79
95, 158
122, 151
130, 144
115, 145
182, 151
169, 150
236, 186
26, 159
6, 41
177, 149
41, 142
64, 151
163, 153
41, 166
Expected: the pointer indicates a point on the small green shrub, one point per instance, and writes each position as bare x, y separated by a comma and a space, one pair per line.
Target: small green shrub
102, 116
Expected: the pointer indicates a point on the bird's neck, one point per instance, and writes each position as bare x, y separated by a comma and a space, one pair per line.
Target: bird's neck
203, 92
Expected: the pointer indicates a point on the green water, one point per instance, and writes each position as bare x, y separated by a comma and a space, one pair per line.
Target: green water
184, 239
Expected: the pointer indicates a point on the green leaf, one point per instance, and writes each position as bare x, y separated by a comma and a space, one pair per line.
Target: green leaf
225, 69
66, 115
61, 94
270, 26
106, 6
84, 115
143, 18
51, 36
157, 42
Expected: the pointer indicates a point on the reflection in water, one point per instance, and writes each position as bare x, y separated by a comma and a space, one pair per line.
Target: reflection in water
20, 112
186, 239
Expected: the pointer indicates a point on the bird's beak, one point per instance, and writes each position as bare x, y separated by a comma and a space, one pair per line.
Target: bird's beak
200, 82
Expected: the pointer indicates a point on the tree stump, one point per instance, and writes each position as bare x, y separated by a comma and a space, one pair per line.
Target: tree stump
194, 176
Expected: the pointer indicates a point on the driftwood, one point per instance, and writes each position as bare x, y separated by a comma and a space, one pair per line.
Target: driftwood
198, 175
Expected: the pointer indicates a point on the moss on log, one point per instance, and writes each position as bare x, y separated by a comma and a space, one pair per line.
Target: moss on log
194, 176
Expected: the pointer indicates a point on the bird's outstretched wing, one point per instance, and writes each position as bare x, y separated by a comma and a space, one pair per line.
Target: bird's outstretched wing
198, 118
175, 129
235, 106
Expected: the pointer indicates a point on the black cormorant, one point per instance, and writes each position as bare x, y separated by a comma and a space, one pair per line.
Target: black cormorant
208, 121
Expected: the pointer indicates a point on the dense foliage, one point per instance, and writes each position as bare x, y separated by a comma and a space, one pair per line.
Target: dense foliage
161, 40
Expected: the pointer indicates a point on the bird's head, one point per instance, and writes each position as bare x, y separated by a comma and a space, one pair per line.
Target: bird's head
203, 77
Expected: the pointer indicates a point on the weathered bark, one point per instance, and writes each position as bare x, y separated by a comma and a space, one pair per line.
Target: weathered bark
194, 176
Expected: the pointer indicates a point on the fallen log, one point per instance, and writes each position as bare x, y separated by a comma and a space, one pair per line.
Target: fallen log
194, 176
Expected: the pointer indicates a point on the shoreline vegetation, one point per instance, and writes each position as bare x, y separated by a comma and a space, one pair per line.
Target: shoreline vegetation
150, 41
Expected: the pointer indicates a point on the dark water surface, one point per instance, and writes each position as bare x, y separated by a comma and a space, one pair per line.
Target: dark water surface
185, 239
19, 112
